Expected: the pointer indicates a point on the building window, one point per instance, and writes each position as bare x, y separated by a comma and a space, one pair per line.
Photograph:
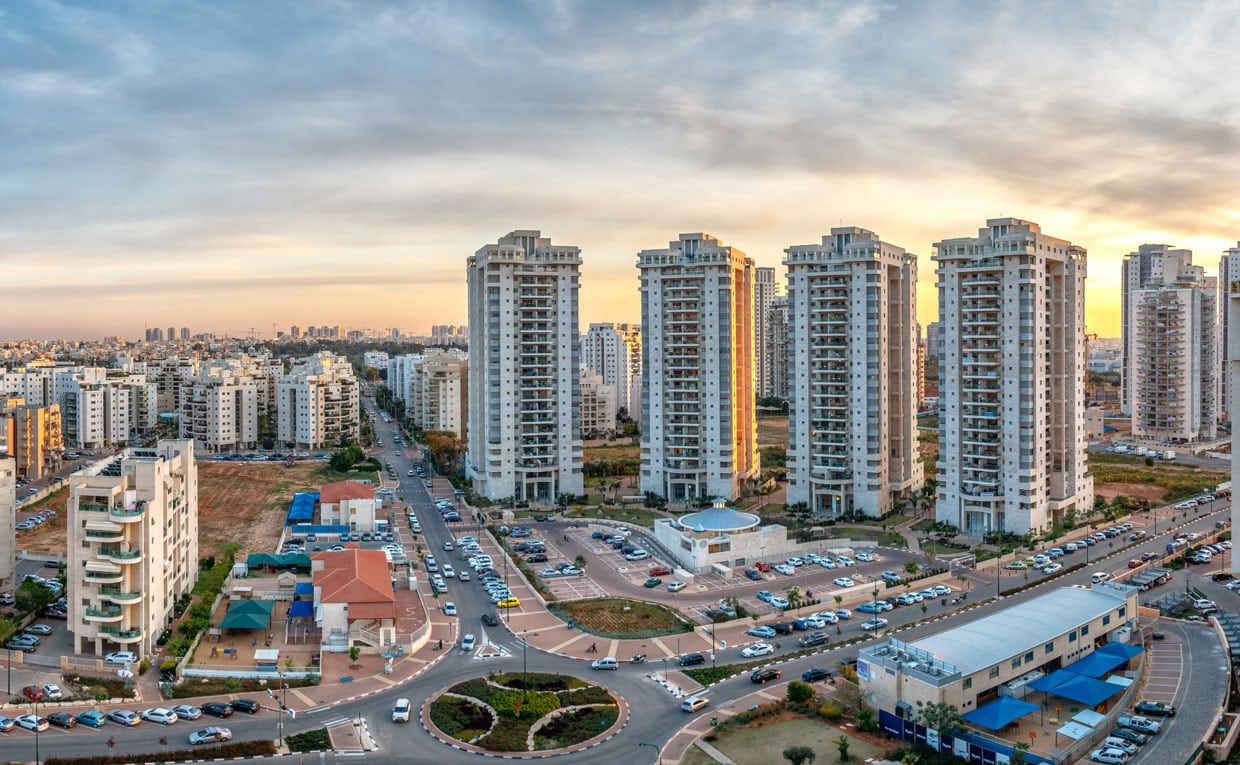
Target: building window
1016, 663
1029, 657
1072, 636
1050, 647
994, 672
1085, 630
968, 683
1106, 620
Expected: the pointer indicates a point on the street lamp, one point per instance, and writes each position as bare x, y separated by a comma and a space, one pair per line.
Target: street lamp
525, 672
37, 759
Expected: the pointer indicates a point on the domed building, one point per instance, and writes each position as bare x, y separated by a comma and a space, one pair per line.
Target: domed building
719, 535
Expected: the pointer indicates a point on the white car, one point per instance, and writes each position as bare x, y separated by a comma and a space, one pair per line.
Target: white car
844, 560
449, 609
785, 569
448, 571
877, 623
187, 712
843, 581
467, 642
1052, 568
757, 649
52, 692
121, 657
794, 561
826, 563
866, 557
210, 736
31, 722
400, 712
827, 617
463, 575
160, 715
779, 602
815, 622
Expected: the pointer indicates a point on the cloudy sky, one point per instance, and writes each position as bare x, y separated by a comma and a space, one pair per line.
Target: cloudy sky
231, 165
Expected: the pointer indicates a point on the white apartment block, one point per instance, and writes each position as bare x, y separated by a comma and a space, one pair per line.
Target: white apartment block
1171, 346
439, 394
852, 434
698, 418
317, 403
1228, 272
8, 522
524, 391
614, 351
219, 410
1011, 379
400, 371
598, 406
779, 337
132, 543
100, 409
32, 385
765, 290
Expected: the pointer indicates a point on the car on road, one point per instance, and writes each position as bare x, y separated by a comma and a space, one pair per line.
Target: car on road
607, 662
691, 659
757, 649
449, 609
400, 712
1052, 568
31, 722
843, 581
187, 712
121, 657
92, 719
761, 632
877, 623
124, 717
814, 639
210, 736
763, 676
467, 642
490, 620
62, 720
814, 674
1155, 709
694, 704
217, 709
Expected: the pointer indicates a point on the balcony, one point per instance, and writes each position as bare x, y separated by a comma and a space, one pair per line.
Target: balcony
123, 557
118, 635
108, 535
117, 595
104, 577
108, 614
128, 514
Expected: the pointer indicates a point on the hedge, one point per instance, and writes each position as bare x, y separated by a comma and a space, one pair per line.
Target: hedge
263, 748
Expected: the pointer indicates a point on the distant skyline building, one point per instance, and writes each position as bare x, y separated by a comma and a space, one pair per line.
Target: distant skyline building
698, 395
779, 339
852, 410
765, 290
1012, 450
614, 351
1171, 343
1228, 273
524, 388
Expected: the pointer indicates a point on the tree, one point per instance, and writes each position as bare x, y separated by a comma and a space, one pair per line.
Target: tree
910, 568
33, 597
794, 596
344, 460
799, 692
943, 717
354, 652
445, 447
841, 744
799, 755
1018, 754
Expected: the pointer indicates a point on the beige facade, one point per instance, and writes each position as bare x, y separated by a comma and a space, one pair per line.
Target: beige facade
614, 351
132, 544
317, 403
33, 437
219, 410
967, 666
698, 406
598, 406
8, 520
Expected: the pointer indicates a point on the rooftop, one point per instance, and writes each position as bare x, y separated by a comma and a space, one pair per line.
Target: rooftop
340, 490
992, 639
356, 577
720, 517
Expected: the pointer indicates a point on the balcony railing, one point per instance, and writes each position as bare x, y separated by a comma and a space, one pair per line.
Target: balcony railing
118, 595
109, 614
121, 635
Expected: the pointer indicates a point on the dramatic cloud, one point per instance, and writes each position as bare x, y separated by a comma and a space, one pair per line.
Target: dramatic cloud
220, 165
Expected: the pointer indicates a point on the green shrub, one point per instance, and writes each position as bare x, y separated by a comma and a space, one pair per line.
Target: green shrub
311, 740
799, 692
143, 666
830, 711
529, 705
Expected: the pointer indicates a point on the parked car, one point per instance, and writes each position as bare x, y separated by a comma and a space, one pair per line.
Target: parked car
843, 581
779, 602
1155, 708
1108, 756
757, 649
753, 574
52, 692
121, 657
761, 632
652, 582
1139, 723
33, 692
31, 722
62, 720
217, 709
248, 706
187, 712
660, 571
1127, 734
210, 736
92, 719
124, 717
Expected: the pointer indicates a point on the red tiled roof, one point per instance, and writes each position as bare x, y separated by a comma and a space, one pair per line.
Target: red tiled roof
359, 578
334, 492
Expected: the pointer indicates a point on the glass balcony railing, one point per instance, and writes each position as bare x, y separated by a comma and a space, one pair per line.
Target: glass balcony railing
121, 635
118, 595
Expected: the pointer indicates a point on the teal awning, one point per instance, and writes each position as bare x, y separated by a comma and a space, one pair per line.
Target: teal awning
248, 615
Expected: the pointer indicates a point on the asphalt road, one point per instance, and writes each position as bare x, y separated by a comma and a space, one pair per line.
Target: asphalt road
655, 714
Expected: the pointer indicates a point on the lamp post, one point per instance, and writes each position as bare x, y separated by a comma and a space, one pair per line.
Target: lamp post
37, 759
525, 669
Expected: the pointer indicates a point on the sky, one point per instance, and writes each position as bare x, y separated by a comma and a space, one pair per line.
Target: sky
234, 165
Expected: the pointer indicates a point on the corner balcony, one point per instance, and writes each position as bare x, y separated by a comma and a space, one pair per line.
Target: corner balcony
118, 635
121, 557
117, 595
105, 535
128, 514
104, 577
106, 614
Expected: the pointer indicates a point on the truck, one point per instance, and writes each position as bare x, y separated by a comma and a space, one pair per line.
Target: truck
1168, 455
1223, 489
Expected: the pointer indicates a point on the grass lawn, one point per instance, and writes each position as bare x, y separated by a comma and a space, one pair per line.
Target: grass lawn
639, 515
607, 617
884, 538
773, 431
1178, 480
766, 743
889, 521
617, 452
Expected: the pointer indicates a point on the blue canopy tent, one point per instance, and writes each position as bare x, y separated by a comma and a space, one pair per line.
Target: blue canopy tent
1096, 664
1048, 683
302, 507
999, 713
303, 588
1086, 690
300, 608
1122, 649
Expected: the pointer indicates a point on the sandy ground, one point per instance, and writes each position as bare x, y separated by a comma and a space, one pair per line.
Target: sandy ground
1131, 490
50, 537
246, 503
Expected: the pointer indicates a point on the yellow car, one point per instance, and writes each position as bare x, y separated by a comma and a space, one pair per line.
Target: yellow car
509, 603
1029, 561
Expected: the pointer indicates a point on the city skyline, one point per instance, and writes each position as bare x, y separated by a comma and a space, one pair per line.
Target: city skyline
232, 167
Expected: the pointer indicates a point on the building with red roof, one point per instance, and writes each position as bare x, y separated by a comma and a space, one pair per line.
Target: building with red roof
355, 600
348, 503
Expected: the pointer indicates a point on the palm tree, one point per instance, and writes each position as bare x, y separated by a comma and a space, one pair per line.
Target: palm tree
794, 596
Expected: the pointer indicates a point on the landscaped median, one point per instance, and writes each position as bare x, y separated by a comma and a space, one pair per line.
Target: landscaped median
500, 713
622, 618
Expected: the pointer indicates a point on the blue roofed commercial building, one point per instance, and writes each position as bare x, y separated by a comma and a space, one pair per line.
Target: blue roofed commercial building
973, 665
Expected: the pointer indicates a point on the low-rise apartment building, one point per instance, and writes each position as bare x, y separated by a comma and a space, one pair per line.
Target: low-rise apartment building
317, 403
31, 435
132, 540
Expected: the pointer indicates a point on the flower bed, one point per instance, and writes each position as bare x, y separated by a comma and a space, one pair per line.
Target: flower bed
555, 711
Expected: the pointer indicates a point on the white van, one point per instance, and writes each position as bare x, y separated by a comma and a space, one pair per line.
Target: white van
694, 703
1100, 576
400, 712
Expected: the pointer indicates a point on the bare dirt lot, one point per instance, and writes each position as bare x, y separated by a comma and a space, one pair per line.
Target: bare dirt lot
245, 502
49, 537
1131, 490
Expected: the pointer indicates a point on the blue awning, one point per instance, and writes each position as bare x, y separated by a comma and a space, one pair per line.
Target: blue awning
1086, 690
1000, 712
1048, 683
1127, 650
301, 608
302, 507
1096, 664
303, 588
